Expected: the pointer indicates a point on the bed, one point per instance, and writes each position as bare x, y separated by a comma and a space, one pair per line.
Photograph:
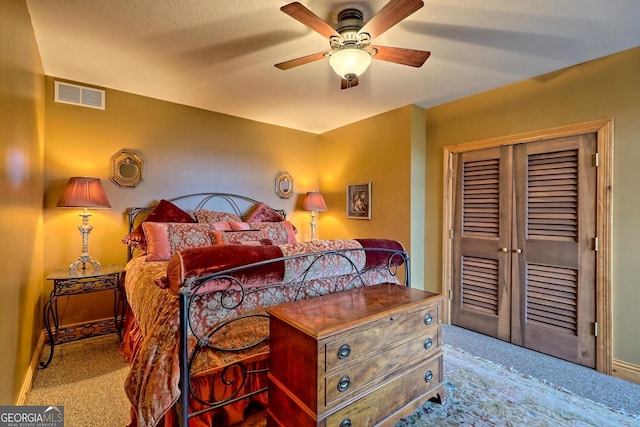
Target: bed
202, 270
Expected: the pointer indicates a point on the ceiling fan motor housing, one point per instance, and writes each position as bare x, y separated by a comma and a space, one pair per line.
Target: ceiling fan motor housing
349, 23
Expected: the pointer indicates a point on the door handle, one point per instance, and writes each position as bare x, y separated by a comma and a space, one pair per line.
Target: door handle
515, 251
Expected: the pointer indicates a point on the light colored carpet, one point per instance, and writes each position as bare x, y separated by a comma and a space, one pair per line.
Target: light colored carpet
87, 377
588, 383
481, 393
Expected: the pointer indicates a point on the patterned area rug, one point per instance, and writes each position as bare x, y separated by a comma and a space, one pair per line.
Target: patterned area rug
481, 393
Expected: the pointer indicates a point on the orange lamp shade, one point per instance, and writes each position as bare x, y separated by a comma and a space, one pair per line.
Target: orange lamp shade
314, 201
83, 192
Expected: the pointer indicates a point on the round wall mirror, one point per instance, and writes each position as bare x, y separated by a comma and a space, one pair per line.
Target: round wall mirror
127, 169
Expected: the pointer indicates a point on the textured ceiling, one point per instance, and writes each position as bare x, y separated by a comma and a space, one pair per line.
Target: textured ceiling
219, 55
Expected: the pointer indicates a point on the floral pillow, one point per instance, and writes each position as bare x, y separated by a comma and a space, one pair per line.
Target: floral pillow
206, 216
253, 237
165, 211
278, 232
166, 238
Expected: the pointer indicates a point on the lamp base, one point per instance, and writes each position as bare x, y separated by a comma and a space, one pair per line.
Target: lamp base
82, 263
85, 258
313, 225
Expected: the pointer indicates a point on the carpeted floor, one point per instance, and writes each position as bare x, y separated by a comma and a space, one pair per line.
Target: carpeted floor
588, 383
87, 377
482, 393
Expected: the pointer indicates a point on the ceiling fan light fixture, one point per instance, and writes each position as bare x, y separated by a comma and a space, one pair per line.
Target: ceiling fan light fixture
350, 62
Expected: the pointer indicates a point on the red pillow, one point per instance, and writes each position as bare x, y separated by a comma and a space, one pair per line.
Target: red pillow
264, 213
165, 211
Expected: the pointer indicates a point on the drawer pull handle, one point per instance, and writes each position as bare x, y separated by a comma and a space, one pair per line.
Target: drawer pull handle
344, 384
428, 319
428, 376
345, 423
344, 351
428, 343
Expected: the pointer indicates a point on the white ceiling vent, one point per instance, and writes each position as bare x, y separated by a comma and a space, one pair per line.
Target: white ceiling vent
79, 95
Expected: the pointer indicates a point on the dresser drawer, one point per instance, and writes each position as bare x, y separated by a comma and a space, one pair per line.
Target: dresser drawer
392, 329
384, 401
379, 367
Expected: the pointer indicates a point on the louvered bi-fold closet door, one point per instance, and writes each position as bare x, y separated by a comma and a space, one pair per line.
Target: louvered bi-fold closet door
481, 238
554, 266
523, 255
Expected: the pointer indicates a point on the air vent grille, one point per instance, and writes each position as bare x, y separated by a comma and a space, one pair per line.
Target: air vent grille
79, 95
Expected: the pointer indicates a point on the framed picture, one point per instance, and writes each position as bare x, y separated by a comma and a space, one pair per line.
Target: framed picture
359, 201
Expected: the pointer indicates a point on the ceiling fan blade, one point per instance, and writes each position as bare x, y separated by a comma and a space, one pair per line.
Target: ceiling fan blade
346, 84
390, 14
301, 13
399, 55
301, 61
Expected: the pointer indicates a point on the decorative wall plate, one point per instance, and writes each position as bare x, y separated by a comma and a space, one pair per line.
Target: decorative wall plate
127, 169
284, 185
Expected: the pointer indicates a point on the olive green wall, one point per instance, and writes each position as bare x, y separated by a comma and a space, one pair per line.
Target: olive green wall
602, 89
21, 145
186, 150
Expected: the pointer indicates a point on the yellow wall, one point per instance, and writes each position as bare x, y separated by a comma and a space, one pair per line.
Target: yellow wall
191, 150
377, 150
186, 150
602, 89
21, 145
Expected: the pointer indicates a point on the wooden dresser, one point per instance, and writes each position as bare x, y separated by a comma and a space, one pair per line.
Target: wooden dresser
356, 358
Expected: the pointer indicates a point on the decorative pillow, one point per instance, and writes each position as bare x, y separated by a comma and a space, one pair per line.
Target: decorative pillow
200, 261
165, 211
166, 238
238, 237
380, 258
204, 215
264, 213
239, 226
221, 225
278, 232
261, 242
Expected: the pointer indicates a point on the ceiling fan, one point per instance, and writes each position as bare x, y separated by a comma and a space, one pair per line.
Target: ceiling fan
350, 39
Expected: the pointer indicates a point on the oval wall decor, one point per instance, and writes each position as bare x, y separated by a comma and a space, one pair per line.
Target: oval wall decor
284, 185
127, 169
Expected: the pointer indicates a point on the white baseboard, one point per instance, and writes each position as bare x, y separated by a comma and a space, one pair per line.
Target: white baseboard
31, 372
626, 371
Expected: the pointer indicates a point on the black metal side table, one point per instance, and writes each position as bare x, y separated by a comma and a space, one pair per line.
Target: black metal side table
67, 283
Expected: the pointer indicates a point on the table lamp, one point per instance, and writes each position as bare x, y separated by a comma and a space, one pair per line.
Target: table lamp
86, 193
314, 202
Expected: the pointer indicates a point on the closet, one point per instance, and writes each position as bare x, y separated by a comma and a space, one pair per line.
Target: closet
523, 251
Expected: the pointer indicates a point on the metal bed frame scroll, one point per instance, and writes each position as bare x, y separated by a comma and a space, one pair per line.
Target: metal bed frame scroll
233, 297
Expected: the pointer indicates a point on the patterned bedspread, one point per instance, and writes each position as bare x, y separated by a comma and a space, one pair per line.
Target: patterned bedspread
152, 384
